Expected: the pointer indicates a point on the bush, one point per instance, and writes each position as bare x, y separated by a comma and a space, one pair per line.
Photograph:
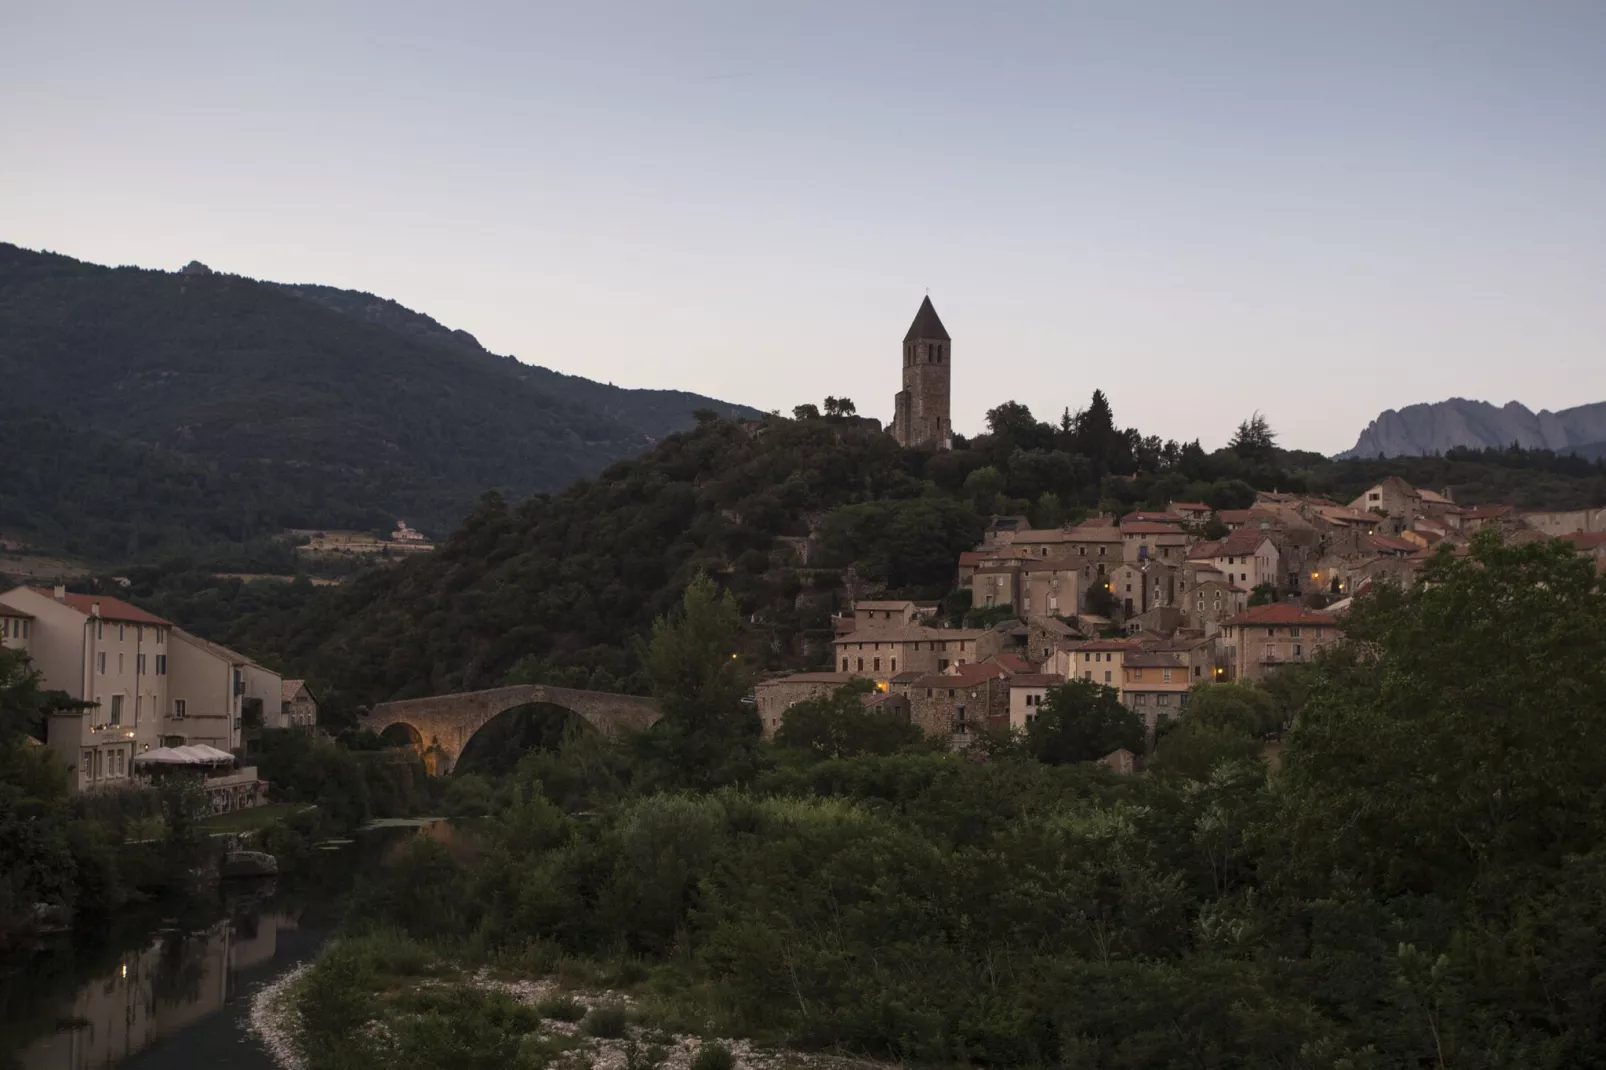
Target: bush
606, 1022
561, 1009
713, 1056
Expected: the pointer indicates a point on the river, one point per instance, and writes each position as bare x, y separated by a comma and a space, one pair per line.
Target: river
168, 986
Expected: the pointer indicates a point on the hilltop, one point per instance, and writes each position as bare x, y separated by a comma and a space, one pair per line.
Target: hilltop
197, 407
796, 517
1421, 430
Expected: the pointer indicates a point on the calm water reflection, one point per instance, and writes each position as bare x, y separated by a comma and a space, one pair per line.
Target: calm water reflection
169, 986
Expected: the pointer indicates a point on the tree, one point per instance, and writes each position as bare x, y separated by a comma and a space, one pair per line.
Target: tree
1195, 748
1081, 721
1457, 734
839, 407
704, 416
1242, 707
1264, 594
839, 725
806, 412
1254, 440
705, 733
983, 487
1049, 512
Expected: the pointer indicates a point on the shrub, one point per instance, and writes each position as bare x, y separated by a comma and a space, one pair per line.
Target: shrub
713, 1056
606, 1022
561, 1009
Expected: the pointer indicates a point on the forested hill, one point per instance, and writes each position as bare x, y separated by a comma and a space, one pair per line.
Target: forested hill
183, 408
785, 513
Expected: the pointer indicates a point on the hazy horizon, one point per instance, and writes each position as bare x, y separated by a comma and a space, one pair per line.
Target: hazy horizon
1317, 214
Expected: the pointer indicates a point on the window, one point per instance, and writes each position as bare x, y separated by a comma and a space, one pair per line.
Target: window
1106, 676
161, 665
98, 765
117, 710
1374, 496
876, 665
950, 692
178, 709
1162, 700
161, 633
1299, 650
100, 629
139, 664
119, 663
1081, 551
1165, 674
1087, 675
844, 664
894, 664
121, 633
1101, 551
1198, 670
1140, 700
1137, 674
122, 762
86, 760
928, 692
100, 663
861, 664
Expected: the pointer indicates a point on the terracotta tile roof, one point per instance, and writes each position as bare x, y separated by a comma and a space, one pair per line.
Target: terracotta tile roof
1036, 679
14, 614
1147, 527
110, 608
1489, 512
913, 633
895, 604
1390, 544
1093, 645
963, 676
1586, 540
222, 653
1283, 613
1153, 659
288, 689
1152, 518
1013, 662
1192, 507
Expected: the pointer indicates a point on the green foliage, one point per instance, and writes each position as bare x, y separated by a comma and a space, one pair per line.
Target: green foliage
705, 734
1082, 721
839, 726
561, 1008
1456, 737
713, 1056
608, 1021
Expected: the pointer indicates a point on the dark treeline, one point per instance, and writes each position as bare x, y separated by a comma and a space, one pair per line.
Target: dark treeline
1418, 881
559, 588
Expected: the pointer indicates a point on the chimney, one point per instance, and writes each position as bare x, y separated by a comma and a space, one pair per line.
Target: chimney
60, 593
94, 609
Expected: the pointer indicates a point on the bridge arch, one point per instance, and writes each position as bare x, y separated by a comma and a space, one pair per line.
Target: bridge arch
445, 723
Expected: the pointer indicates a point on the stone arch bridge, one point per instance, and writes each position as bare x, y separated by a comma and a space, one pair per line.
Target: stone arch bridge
444, 723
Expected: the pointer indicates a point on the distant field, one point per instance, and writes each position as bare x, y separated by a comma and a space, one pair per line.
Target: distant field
27, 567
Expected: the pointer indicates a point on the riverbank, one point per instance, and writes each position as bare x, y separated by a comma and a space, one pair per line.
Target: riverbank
433, 1006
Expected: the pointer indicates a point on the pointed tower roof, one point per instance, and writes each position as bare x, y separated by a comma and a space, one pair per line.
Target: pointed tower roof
926, 324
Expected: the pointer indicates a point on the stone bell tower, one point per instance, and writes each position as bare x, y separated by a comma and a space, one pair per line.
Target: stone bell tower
920, 411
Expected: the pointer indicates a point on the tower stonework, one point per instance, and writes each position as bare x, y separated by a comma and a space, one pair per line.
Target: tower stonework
920, 411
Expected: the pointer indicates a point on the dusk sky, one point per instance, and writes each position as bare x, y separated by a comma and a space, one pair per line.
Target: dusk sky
1314, 210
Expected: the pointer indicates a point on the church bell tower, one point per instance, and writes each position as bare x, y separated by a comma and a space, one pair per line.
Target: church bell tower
920, 411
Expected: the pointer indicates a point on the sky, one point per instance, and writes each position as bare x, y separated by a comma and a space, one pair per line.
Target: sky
1314, 210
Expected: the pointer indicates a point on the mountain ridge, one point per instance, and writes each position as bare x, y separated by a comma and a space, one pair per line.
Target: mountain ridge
277, 411
1435, 427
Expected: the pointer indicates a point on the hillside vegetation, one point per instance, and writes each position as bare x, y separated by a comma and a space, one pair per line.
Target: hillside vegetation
790, 516
1418, 883
145, 411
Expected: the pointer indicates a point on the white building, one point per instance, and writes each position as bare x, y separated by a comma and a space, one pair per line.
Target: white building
105, 652
149, 683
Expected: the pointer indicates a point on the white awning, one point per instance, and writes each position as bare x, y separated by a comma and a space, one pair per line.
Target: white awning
200, 754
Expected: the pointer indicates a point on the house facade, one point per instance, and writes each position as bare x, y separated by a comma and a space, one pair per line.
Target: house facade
110, 654
1262, 638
